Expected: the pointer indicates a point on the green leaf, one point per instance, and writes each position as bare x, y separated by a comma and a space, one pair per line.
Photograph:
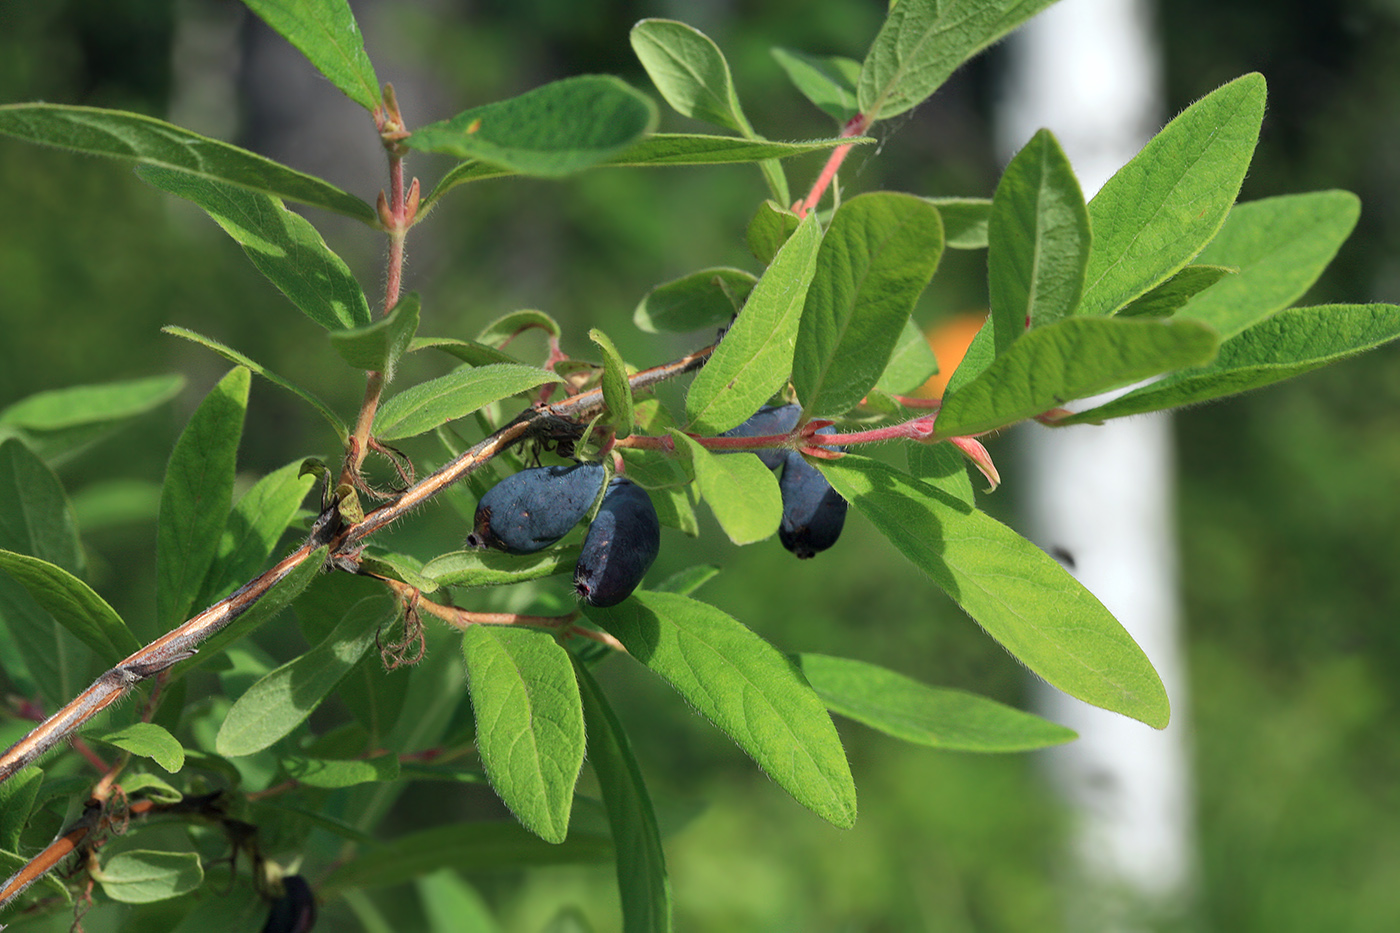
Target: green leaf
1070, 359
704, 149
466, 847
642, 881
281, 700
137, 138
254, 528
829, 81
73, 604
1158, 211
149, 741
924, 41
377, 347
944, 467
36, 651
195, 499
741, 491
283, 245
114, 502
687, 581
141, 876
745, 687
511, 325
616, 392
233, 356
1292, 342
755, 357
965, 221
1014, 590
453, 906
529, 722
17, 796
1280, 246
468, 351
694, 302
976, 358
334, 773
555, 130
497, 568
325, 32
1038, 241
422, 407
911, 363
877, 257
938, 717
770, 228
105, 403
1166, 299
690, 72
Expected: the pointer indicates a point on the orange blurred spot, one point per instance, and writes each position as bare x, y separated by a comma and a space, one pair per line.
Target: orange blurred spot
949, 340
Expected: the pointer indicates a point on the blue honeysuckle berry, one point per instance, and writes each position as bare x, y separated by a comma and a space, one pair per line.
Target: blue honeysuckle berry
813, 512
768, 420
620, 546
532, 509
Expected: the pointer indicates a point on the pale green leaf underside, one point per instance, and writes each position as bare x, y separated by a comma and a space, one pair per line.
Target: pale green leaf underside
935, 716
964, 221
692, 302
617, 394
1158, 211
57, 409
326, 33
829, 82
1014, 590
551, 131
529, 722
1292, 342
149, 141
1071, 359
745, 687
143, 876
497, 568
423, 407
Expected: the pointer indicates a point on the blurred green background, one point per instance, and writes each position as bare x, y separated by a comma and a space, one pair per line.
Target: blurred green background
1289, 500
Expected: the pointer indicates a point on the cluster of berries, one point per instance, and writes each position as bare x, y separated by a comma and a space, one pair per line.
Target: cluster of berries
533, 509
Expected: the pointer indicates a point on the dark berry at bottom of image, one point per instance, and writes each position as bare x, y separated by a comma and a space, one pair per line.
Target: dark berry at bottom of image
530, 510
620, 546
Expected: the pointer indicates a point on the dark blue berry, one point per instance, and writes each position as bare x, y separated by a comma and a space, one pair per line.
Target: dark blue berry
295, 910
768, 420
813, 512
620, 546
532, 509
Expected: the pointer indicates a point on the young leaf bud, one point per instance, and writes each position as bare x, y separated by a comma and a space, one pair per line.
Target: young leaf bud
768, 420
532, 509
813, 512
620, 546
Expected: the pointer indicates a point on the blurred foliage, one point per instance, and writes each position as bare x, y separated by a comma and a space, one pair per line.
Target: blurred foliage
1289, 503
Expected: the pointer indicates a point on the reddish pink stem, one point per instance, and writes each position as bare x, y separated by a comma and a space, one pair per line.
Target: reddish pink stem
854, 127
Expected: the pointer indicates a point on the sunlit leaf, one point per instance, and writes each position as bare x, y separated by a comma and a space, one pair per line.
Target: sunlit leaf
325, 32
420, 408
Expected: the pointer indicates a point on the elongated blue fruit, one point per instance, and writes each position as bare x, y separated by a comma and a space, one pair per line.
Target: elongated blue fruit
768, 420
532, 509
295, 910
813, 512
620, 546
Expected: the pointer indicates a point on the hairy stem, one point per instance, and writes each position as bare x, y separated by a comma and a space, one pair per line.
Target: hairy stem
854, 127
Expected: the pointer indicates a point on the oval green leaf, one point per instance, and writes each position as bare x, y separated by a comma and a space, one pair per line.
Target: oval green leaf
935, 716
552, 131
105, 403
136, 138
149, 741
326, 33
1020, 595
708, 298
529, 722
741, 491
421, 408
142, 876
497, 568
745, 687
690, 72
